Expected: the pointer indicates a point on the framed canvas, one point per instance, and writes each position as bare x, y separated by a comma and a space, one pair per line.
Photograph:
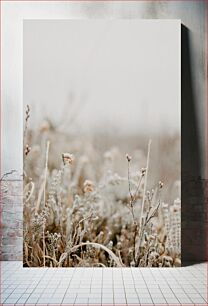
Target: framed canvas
102, 139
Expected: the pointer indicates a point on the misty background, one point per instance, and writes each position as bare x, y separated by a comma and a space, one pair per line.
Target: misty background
118, 76
104, 88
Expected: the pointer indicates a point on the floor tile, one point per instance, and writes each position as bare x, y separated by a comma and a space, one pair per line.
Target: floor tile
127, 286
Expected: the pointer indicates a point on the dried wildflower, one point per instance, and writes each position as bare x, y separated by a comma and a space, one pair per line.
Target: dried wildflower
39, 220
53, 239
132, 263
110, 245
27, 149
27, 116
77, 202
177, 262
153, 256
119, 245
67, 158
143, 171
161, 184
128, 157
177, 205
64, 203
88, 186
167, 261
27, 113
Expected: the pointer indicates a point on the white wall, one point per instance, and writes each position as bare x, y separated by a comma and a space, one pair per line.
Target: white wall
13, 13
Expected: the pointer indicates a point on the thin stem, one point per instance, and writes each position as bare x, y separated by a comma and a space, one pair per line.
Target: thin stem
46, 172
129, 182
133, 197
154, 212
145, 183
135, 236
27, 116
141, 226
27, 113
139, 184
44, 196
131, 208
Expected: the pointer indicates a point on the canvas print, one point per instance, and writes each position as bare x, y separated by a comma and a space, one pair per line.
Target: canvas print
101, 143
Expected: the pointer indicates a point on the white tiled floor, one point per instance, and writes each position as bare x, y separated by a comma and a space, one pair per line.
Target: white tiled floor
98, 286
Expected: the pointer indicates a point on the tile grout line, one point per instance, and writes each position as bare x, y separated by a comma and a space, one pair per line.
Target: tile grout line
183, 288
147, 286
30, 279
135, 287
68, 286
170, 289
122, 271
196, 288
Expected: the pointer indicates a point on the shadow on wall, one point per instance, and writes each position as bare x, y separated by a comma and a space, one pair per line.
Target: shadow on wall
193, 214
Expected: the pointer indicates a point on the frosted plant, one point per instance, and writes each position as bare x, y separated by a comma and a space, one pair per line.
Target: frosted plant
95, 207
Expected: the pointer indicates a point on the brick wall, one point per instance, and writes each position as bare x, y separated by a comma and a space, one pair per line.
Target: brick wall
11, 220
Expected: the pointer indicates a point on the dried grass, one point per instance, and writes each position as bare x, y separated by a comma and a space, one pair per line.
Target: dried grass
78, 213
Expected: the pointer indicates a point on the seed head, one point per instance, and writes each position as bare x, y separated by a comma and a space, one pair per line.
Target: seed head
161, 184
143, 171
67, 158
27, 113
88, 186
27, 149
128, 157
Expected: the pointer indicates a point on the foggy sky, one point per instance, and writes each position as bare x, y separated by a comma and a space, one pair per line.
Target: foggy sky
123, 74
